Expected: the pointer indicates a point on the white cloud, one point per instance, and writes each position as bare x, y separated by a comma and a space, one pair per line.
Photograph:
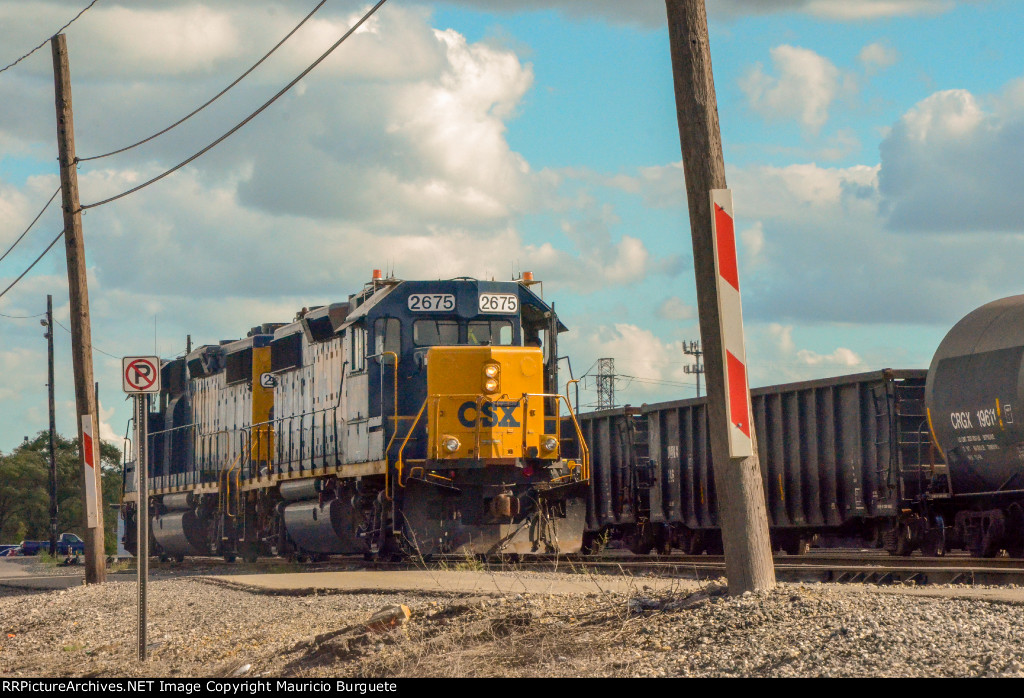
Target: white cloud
675, 309
652, 12
649, 367
752, 240
875, 9
876, 57
804, 89
774, 357
949, 164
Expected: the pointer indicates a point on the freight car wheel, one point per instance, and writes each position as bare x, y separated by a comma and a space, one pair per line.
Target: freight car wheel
692, 543
797, 545
904, 541
179, 558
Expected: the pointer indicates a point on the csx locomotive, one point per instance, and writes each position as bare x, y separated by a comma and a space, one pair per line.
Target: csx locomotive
418, 417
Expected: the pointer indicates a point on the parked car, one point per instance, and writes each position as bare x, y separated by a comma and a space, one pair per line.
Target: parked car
10, 550
70, 544
67, 544
34, 547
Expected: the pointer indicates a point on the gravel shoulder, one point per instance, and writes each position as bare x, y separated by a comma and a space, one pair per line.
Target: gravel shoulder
202, 628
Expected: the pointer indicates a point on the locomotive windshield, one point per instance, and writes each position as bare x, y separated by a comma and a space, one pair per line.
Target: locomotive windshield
432, 333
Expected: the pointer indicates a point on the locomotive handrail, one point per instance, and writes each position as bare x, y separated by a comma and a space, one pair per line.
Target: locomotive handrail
227, 487
401, 450
394, 413
399, 463
584, 449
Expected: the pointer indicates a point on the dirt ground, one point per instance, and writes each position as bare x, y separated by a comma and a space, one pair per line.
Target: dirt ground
635, 627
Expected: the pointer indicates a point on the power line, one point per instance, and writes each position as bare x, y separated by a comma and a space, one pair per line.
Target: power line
94, 347
34, 220
22, 317
214, 98
653, 381
13, 283
11, 65
249, 118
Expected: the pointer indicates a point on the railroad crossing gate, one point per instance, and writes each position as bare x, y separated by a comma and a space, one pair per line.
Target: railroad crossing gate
140, 374
730, 310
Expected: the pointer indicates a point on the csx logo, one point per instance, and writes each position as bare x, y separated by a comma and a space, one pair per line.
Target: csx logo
491, 414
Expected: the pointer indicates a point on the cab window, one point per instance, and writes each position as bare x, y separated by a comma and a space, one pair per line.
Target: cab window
387, 336
430, 333
358, 346
492, 332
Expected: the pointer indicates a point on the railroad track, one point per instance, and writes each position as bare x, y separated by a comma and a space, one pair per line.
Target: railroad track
869, 567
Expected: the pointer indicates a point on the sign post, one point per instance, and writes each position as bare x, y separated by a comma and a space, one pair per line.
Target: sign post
140, 377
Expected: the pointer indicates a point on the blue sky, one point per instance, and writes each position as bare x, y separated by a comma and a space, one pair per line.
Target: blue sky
873, 149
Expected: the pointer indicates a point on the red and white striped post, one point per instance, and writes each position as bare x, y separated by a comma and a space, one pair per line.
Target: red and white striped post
90, 449
730, 311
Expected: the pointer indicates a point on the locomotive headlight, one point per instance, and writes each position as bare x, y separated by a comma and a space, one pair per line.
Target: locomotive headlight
492, 374
549, 443
450, 444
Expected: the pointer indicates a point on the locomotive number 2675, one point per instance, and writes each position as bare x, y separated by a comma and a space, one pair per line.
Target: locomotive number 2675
423, 302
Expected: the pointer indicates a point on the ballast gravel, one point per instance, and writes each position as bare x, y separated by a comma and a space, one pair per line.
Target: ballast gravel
201, 629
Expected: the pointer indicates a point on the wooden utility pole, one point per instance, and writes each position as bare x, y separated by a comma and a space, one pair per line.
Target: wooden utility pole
741, 508
53, 427
81, 329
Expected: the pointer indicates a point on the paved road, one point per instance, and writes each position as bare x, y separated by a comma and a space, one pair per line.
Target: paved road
503, 583
27, 573
461, 582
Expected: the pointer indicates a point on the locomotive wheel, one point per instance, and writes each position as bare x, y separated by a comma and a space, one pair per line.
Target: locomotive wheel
934, 544
229, 557
179, 558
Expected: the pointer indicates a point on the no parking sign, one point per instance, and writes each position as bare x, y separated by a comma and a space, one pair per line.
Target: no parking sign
141, 374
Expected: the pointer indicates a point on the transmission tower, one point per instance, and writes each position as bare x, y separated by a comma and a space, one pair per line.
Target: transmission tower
696, 368
605, 384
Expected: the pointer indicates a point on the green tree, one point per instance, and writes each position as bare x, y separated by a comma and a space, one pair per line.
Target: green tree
24, 490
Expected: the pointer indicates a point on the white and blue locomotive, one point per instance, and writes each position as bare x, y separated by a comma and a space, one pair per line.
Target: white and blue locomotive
418, 417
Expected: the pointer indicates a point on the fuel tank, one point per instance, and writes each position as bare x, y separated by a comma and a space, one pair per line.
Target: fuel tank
331, 527
975, 399
181, 533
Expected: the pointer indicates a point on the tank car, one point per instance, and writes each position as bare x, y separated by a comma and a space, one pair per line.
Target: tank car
417, 418
975, 386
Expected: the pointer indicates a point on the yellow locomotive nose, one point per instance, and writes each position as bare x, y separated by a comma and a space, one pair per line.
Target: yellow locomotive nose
485, 403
